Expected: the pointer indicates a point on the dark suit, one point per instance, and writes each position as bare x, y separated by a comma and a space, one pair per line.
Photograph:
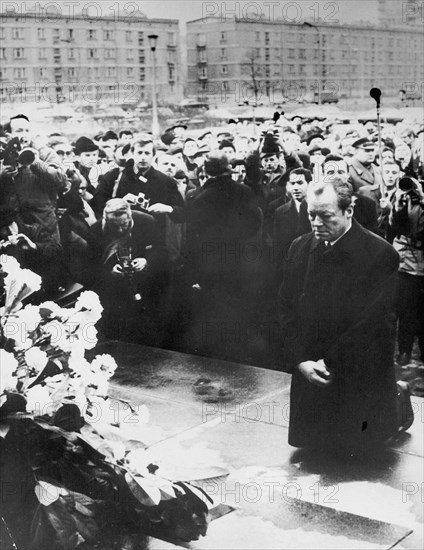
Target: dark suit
124, 318
365, 212
360, 175
338, 305
222, 215
158, 188
289, 223
223, 220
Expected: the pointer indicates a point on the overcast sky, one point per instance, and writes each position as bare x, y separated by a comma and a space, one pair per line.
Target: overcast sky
185, 10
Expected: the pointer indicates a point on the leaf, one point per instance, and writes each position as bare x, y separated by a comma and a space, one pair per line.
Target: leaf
114, 442
197, 496
47, 493
86, 527
144, 492
165, 486
97, 443
83, 509
39, 531
84, 517
63, 524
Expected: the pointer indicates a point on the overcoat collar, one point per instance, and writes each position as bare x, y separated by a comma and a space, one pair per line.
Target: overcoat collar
345, 243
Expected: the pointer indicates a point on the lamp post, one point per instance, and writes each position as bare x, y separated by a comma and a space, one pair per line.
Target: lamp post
155, 119
311, 26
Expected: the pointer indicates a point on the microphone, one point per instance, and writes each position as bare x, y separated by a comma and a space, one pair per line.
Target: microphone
375, 93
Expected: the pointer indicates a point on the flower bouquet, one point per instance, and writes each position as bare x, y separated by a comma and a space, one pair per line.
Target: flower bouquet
70, 478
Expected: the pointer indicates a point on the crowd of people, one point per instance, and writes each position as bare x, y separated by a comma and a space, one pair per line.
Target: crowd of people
184, 237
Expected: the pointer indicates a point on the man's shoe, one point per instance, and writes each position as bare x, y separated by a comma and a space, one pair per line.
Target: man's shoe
404, 406
403, 359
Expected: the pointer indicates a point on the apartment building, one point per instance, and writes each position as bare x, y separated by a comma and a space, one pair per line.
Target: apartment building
87, 58
230, 57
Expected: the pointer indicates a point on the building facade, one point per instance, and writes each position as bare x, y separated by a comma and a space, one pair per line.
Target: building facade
229, 58
88, 58
396, 13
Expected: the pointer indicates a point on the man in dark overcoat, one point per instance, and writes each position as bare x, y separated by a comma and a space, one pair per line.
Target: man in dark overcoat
338, 321
125, 266
223, 247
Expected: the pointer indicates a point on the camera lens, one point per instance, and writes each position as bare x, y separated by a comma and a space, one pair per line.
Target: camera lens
406, 184
26, 157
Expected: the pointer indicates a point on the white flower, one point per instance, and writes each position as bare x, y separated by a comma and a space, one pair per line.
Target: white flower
28, 318
78, 365
32, 281
98, 387
36, 358
8, 365
89, 300
9, 264
89, 337
51, 310
104, 365
38, 400
59, 337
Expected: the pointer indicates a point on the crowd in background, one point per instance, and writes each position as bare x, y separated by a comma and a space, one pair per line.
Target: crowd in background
183, 237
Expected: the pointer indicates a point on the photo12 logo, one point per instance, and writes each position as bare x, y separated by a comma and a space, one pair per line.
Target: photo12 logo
412, 11
54, 11
288, 12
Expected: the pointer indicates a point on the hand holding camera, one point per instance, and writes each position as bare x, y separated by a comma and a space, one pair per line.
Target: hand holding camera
409, 193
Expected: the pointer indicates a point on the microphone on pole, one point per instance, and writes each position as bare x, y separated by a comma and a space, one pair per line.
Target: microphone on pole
375, 93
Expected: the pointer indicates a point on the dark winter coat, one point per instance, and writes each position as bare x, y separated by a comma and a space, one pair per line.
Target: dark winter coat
337, 305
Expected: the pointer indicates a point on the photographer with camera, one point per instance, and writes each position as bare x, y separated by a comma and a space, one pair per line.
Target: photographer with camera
31, 176
125, 266
407, 223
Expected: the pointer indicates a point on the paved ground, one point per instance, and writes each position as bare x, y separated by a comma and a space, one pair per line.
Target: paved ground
413, 374
210, 417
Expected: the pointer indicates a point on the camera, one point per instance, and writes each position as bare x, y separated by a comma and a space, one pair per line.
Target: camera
125, 261
12, 153
409, 186
142, 202
9, 152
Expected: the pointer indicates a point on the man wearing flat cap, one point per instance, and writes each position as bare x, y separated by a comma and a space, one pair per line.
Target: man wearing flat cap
362, 169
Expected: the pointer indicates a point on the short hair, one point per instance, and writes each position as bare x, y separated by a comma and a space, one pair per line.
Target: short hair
333, 158
19, 116
125, 133
238, 162
389, 161
343, 190
143, 140
307, 174
116, 206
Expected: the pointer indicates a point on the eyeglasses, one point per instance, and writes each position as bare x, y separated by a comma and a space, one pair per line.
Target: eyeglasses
63, 153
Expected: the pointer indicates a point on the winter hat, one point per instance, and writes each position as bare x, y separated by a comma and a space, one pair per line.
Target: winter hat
85, 145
